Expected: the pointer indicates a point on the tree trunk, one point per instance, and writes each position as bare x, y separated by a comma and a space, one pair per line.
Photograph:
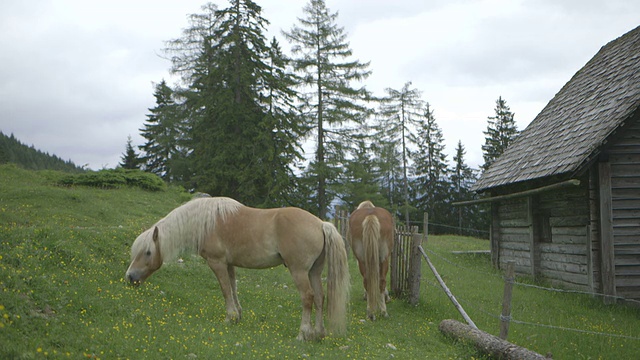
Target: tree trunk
487, 343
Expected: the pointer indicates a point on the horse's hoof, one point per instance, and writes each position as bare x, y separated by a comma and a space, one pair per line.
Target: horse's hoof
305, 337
233, 318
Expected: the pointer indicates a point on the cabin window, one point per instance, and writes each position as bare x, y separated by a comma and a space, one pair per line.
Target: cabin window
544, 226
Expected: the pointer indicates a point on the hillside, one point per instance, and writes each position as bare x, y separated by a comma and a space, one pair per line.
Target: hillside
64, 251
12, 151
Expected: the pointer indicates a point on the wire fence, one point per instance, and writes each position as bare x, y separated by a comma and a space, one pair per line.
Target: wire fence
342, 217
481, 309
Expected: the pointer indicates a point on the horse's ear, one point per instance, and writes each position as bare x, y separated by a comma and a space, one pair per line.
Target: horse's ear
155, 235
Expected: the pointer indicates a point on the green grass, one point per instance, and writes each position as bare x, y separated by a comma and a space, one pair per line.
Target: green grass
64, 251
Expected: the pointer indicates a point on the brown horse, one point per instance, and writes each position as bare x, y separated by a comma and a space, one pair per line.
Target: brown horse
371, 232
228, 234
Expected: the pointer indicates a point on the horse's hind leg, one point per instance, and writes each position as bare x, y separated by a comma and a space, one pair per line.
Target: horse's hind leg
222, 274
384, 267
315, 275
301, 278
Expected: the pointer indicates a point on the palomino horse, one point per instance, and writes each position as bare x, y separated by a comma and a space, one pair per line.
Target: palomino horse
371, 232
228, 234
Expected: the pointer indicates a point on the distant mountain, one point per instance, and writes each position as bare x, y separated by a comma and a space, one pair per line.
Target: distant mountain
28, 157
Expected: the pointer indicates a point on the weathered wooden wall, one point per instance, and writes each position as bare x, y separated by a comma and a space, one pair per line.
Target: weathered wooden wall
564, 256
514, 234
547, 235
624, 159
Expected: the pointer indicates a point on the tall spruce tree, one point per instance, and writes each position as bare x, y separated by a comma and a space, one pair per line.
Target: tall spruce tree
243, 133
431, 169
164, 133
400, 112
501, 131
322, 58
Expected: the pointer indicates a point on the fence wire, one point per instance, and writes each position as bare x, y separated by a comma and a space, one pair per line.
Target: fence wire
480, 309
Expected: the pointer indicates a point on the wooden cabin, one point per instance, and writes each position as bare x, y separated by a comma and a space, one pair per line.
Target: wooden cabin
565, 196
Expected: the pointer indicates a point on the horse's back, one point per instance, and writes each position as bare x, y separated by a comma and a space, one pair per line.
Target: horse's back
268, 237
385, 219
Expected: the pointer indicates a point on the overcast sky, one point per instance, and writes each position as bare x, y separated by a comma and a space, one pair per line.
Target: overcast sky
76, 76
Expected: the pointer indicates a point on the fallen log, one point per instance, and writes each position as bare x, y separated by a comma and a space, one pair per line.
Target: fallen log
487, 343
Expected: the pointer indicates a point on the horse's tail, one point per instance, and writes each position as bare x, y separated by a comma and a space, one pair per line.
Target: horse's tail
371, 244
338, 282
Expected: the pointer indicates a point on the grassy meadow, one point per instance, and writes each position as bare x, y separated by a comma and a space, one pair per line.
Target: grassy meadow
64, 252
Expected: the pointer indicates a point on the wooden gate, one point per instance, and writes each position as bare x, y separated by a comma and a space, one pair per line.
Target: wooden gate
406, 264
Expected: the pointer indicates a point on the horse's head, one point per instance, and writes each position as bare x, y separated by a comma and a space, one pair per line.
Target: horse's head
145, 257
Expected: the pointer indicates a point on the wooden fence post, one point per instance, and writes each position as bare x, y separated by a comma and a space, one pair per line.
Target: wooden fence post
505, 318
394, 262
415, 265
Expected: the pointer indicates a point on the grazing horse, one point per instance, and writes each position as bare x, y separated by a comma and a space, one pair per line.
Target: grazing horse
371, 232
228, 234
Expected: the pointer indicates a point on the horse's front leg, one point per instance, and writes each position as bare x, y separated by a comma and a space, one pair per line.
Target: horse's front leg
234, 289
222, 273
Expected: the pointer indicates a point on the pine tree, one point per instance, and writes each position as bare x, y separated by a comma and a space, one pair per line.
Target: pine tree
501, 131
329, 101
431, 169
462, 178
400, 112
130, 159
288, 129
242, 129
388, 160
164, 133
361, 180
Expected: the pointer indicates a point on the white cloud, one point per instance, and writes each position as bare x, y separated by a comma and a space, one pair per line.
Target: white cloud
76, 76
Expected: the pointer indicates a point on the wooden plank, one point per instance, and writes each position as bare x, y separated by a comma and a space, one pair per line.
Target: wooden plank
514, 238
570, 220
568, 230
514, 223
569, 258
589, 260
494, 235
570, 239
533, 234
632, 271
519, 246
630, 292
625, 281
514, 254
594, 235
564, 267
633, 213
567, 279
519, 230
563, 249
606, 230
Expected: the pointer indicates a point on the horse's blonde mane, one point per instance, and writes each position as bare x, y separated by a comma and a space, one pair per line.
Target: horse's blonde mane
366, 204
186, 227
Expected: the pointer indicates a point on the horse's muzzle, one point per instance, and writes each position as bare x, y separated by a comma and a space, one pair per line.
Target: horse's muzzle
133, 278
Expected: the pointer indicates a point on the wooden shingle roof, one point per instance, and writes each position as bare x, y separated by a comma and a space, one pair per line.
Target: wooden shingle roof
577, 121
